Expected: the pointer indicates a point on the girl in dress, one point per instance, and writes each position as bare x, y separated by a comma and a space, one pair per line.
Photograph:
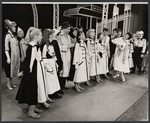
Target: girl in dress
12, 56
81, 62
121, 63
51, 67
32, 87
92, 49
103, 61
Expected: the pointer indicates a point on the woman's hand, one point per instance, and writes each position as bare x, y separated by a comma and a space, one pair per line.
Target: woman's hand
51, 71
70, 45
8, 60
76, 66
142, 55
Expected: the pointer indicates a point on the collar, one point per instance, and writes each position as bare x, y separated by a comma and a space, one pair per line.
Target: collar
32, 43
10, 33
81, 41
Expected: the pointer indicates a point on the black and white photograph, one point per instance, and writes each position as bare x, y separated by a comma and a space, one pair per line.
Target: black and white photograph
74, 61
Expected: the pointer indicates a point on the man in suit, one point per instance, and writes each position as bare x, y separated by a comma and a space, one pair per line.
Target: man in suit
112, 46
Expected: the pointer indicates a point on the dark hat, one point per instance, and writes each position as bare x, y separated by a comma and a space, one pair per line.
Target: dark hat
9, 24
65, 25
119, 30
105, 29
115, 29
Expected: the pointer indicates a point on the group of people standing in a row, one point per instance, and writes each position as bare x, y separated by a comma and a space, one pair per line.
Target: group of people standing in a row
46, 60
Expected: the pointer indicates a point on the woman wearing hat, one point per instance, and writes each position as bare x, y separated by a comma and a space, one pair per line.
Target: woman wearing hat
139, 50
12, 56
65, 45
121, 63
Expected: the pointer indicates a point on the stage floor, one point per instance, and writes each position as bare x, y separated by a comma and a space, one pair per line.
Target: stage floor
110, 100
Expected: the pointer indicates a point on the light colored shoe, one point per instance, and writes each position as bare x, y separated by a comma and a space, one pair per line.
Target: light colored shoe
14, 86
116, 76
81, 88
46, 105
88, 83
37, 110
77, 89
9, 86
100, 79
34, 115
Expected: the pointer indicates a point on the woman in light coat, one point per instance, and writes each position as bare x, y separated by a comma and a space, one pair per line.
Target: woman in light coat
103, 61
81, 62
121, 63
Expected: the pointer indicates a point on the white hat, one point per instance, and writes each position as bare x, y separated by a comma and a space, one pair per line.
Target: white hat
19, 29
141, 32
56, 31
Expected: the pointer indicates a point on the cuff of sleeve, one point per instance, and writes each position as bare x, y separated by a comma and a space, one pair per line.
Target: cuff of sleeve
45, 61
64, 48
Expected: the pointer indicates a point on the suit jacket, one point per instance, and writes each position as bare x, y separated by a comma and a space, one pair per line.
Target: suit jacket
112, 46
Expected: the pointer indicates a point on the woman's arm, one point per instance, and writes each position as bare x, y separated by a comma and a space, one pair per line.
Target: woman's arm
7, 41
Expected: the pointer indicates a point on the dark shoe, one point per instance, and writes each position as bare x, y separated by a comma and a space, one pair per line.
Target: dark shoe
65, 88
109, 74
56, 96
106, 76
60, 92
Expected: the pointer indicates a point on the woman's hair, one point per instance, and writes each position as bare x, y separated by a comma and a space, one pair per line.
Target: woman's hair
45, 39
34, 32
71, 32
130, 35
115, 29
28, 37
88, 32
98, 35
78, 35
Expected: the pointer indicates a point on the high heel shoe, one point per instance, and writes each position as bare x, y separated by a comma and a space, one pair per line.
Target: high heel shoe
77, 89
106, 76
81, 88
116, 76
50, 100
46, 105
100, 79
88, 83
9, 86
14, 86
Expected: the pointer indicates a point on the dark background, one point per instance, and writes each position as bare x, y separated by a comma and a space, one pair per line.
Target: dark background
22, 14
